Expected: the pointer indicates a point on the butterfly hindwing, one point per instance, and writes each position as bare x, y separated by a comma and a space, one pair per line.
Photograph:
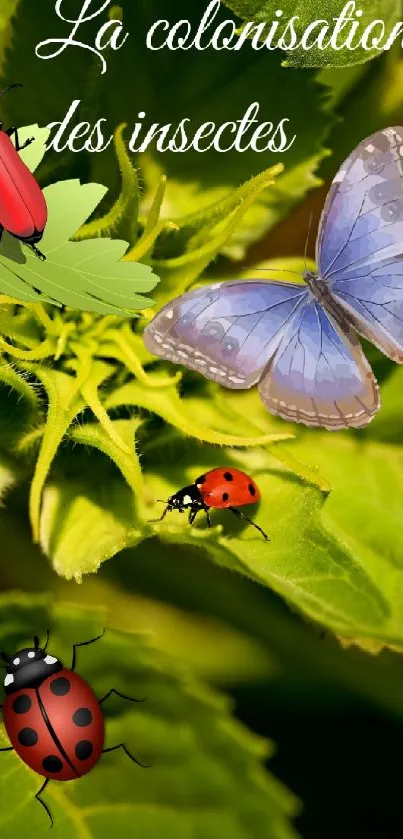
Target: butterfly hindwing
319, 375
227, 331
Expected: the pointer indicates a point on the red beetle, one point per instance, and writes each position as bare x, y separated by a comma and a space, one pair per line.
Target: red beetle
23, 211
52, 716
223, 489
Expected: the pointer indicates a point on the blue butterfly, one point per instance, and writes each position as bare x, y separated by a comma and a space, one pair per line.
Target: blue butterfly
298, 341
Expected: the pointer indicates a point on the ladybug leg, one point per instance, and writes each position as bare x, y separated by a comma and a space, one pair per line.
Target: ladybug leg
121, 695
7, 748
44, 805
242, 516
38, 253
152, 521
126, 751
83, 644
206, 510
14, 131
192, 515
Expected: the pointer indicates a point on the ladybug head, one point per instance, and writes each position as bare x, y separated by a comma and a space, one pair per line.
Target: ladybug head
188, 497
29, 667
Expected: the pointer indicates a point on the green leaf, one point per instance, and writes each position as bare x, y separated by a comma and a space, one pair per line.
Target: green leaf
8, 8
387, 425
8, 476
84, 498
86, 275
122, 218
216, 86
205, 776
360, 518
167, 404
64, 403
302, 562
200, 237
313, 10
373, 103
19, 407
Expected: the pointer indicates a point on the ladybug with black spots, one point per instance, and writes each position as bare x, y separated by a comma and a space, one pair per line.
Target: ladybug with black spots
224, 488
52, 716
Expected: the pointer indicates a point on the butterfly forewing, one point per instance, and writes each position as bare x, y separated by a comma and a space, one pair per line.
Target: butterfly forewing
227, 331
360, 242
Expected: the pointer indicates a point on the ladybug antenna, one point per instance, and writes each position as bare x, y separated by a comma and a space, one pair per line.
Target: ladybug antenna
47, 639
10, 86
36, 642
5, 657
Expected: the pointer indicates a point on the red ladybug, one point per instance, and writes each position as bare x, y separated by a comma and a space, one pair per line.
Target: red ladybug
223, 488
23, 211
52, 716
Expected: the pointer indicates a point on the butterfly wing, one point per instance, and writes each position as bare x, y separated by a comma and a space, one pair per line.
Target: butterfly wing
226, 331
319, 375
360, 242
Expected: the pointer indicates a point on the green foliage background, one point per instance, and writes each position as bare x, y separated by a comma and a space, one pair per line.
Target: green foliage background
307, 634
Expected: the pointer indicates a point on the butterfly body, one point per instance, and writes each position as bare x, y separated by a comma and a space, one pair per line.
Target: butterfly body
299, 341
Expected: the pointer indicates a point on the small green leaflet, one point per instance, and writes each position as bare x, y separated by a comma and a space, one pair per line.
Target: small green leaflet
82, 275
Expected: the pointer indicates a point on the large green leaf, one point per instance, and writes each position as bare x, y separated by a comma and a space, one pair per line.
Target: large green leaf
214, 86
205, 775
336, 557
309, 11
83, 275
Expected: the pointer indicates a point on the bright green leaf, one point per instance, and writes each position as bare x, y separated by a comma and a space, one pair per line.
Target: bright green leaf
361, 519
205, 777
316, 572
64, 403
167, 404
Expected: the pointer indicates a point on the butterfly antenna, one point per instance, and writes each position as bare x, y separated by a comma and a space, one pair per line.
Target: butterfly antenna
280, 270
307, 241
47, 639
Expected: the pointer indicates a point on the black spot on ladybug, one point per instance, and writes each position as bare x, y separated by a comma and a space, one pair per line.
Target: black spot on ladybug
83, 750
228, 476
251, 489
201, 480
60, 686
52, 763
225, 496
82, 717
28, 737
22, 704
